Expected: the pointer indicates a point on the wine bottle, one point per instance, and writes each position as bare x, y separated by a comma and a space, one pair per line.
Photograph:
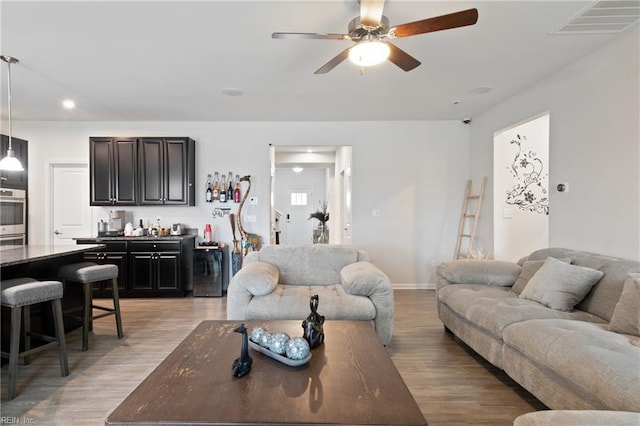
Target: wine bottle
236, 192
209, 193
216, 188
223, 190
230, 188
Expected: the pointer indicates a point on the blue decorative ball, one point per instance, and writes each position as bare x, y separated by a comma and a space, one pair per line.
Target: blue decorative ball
297, 348
278, 342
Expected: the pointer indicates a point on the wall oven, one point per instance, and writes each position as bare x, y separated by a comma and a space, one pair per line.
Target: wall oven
13, 212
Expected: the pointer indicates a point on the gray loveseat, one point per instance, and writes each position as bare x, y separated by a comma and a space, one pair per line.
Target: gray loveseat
277, 282
582, 358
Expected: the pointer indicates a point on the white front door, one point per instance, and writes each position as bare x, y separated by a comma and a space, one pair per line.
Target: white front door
70, 214
298, 229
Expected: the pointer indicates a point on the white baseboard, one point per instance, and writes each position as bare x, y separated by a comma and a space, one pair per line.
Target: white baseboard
414, 286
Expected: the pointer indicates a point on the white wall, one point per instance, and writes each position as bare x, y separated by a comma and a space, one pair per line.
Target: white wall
413, 172
594, 145
521, 170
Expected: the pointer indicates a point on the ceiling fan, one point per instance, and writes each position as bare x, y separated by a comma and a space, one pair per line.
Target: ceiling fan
371, 33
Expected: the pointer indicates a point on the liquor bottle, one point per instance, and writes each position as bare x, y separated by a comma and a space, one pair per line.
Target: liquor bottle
223, 190
216, 188
230, 188
236, 192
209, 194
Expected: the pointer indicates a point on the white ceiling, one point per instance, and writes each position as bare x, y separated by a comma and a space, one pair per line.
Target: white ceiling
170, 60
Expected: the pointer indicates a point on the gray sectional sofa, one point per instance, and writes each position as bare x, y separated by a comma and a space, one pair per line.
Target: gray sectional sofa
277, 282
521, 317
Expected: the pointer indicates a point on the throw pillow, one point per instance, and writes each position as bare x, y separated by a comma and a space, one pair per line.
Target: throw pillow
626, 315
529, 268
259, 278
560, 285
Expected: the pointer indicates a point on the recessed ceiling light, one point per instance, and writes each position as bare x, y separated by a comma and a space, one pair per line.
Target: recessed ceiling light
297, 169
68, 104
480, 90
309, 150
232, 91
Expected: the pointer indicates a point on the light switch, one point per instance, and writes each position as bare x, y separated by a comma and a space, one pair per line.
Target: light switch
376, 213
250, 218
507, 213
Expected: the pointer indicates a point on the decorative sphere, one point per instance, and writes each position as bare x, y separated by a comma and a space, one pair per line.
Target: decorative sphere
278, 342
264, 339
297, 348
257, 333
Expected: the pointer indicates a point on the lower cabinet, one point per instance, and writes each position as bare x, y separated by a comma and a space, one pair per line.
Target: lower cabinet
146, 269
155, 267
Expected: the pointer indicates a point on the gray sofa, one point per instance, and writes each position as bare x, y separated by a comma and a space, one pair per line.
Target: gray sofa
585, 357
277, 282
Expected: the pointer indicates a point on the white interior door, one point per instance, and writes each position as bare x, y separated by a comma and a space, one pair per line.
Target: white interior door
70, 214
297, 226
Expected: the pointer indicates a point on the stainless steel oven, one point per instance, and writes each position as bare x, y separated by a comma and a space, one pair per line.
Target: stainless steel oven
6, 241
13, 212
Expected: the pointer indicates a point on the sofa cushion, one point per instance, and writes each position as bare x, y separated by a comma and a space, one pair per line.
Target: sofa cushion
472, 271
292, 302
317, 264
494, 308
262, 280
529, 268
600, 365
626, 316
559, 285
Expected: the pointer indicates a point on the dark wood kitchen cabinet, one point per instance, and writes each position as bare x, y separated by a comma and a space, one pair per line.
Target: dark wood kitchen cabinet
14, 180
155, 266
167, 171
113, 170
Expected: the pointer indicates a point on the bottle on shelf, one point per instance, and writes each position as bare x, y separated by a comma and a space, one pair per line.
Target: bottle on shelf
209, 193
230, 188
216, 187
223, 189
236, 192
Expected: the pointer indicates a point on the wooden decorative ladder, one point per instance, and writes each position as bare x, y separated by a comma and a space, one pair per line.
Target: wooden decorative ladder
469, 220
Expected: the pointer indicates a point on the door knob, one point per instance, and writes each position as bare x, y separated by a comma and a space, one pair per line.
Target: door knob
57, 232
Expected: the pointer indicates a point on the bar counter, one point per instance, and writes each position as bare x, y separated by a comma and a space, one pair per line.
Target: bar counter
41, 262
35, 253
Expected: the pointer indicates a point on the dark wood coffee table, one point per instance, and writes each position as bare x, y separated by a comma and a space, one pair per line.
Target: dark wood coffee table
349, 380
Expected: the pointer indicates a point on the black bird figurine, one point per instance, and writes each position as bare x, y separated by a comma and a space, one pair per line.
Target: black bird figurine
242, 365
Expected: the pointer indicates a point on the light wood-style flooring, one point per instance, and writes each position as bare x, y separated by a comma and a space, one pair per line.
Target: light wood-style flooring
452, 385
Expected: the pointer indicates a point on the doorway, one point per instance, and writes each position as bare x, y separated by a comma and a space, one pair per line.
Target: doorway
521, 188
69, 214
322, 163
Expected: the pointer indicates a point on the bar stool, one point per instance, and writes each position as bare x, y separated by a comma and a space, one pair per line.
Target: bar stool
19, 294
88, 273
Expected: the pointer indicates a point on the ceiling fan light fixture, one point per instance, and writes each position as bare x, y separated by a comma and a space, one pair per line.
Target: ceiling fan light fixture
369, 52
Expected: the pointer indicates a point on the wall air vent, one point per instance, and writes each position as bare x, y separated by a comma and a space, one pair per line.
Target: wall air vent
601, 17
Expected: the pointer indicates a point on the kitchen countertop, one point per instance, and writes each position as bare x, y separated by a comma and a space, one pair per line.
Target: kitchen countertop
147, 238
30, 253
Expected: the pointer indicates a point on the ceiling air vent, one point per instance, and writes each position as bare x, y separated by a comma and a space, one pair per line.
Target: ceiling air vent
606, 16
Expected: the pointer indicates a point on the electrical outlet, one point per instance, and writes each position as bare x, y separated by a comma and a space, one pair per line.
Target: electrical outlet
376, 213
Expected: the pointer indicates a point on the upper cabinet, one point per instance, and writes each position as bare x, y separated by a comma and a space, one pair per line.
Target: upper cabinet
167, 171
15, 180
113, 169
142, 171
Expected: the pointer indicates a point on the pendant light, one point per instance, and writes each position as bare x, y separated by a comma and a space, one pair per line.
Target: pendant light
10, 162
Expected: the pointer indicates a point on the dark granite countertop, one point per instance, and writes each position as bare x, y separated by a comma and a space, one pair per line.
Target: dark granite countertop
31, 253
146, 238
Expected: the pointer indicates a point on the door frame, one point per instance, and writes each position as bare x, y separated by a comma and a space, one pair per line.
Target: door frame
48, 200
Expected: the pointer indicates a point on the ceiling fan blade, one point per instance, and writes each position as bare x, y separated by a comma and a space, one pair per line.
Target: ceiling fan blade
438, 23
371, 12
333, 62
402, 58
322, 36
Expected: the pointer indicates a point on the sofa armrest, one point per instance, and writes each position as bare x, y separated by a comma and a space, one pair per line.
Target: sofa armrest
253, 279
488, 272
365, 279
